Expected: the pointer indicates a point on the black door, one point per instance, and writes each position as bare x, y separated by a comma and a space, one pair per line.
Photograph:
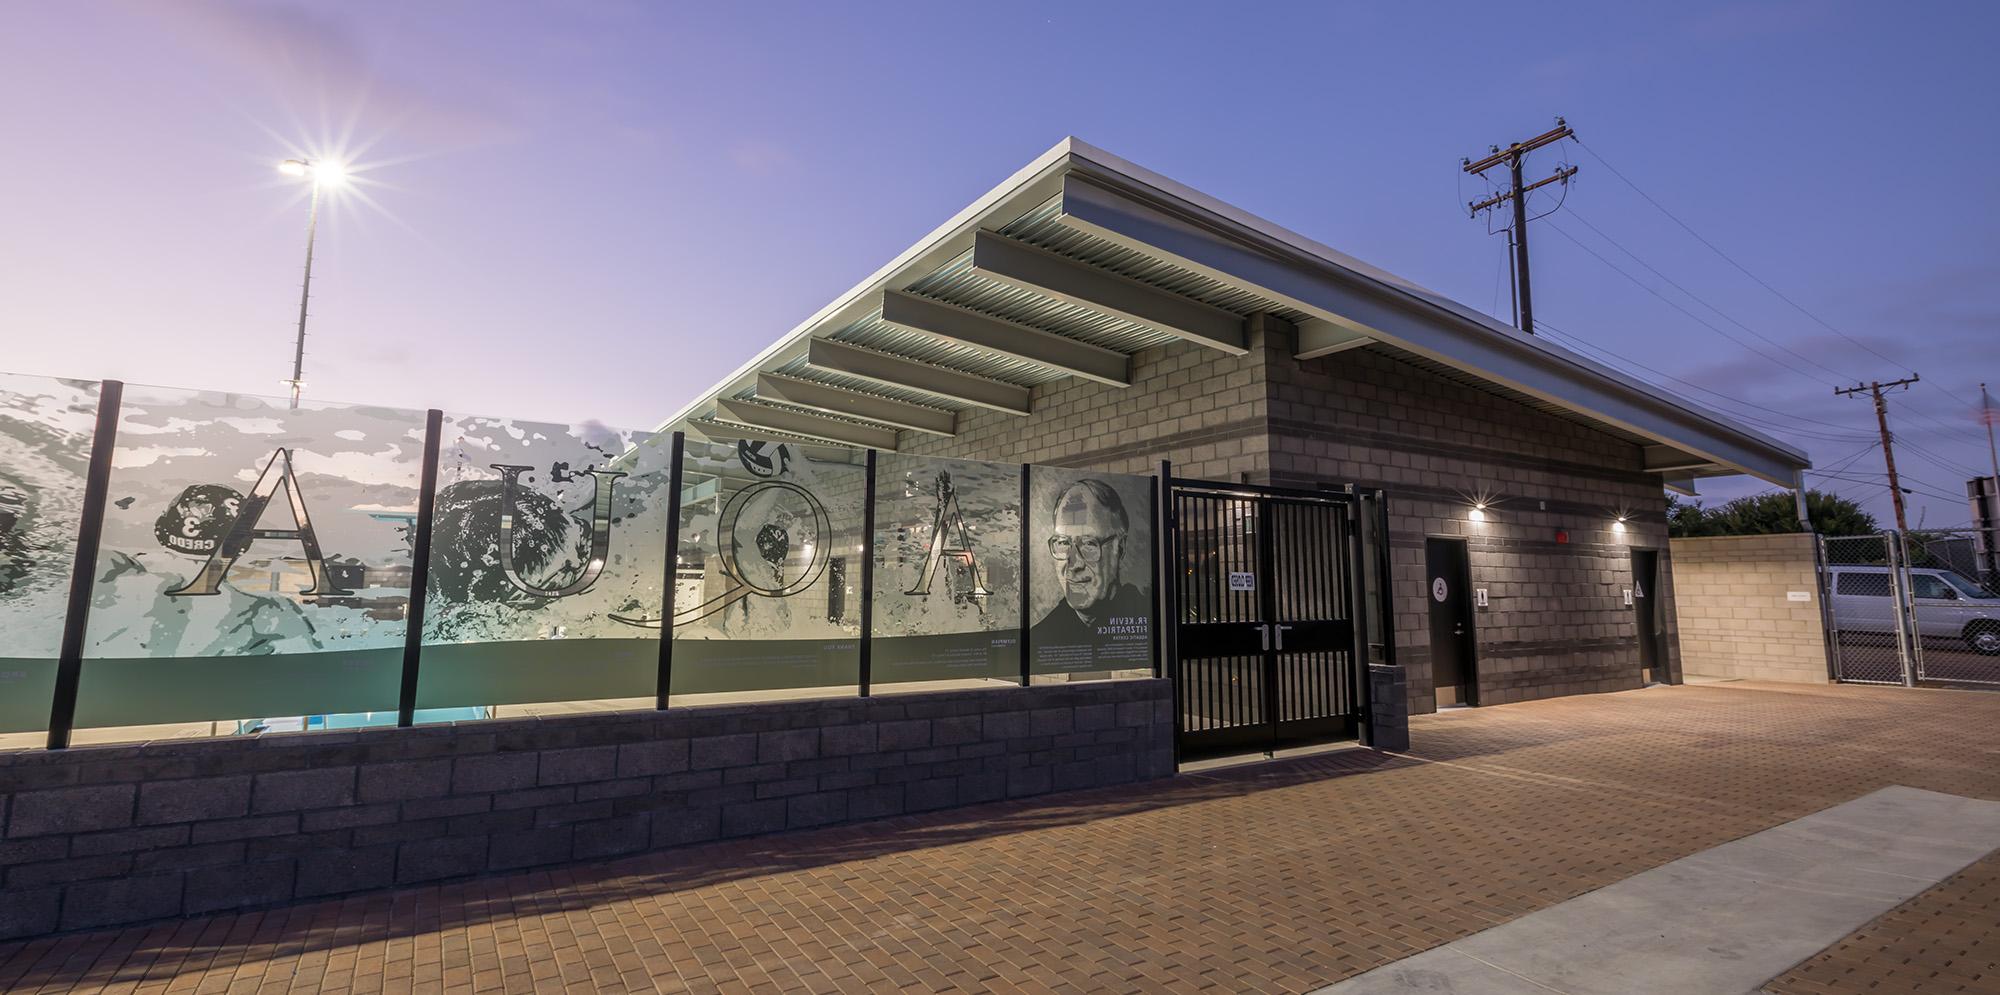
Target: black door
1646, 610
1454, 650
1265, 630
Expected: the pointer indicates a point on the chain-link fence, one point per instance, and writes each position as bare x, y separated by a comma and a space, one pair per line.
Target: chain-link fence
1908, 607
1954, 611
1862, 589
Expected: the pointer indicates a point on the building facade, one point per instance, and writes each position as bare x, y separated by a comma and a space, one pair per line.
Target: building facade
1555, 622
1088, 313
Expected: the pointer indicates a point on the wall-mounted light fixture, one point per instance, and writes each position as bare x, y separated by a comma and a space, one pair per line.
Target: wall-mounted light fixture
1618, 525
1478, 502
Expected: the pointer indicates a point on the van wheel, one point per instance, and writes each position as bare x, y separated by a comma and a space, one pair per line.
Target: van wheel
1984, 638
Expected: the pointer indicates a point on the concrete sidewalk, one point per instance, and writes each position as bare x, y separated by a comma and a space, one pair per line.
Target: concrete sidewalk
1725, 920
1278, 877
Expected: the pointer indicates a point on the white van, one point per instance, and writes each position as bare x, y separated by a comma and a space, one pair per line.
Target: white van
1948, 606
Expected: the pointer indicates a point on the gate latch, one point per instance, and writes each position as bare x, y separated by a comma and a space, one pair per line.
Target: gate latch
1264, 635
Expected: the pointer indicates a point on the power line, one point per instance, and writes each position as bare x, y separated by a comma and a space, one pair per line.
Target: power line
1935, 489
1939, 461
1697, 299
1815, 432
1846, 461
1726, 257
1698, 319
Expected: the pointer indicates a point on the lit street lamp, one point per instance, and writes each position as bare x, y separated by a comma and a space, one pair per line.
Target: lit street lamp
324, 174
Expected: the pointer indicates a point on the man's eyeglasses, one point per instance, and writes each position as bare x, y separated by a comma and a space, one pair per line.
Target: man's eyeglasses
1089, 548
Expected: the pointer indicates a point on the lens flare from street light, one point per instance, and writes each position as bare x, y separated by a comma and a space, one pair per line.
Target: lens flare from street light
324, 172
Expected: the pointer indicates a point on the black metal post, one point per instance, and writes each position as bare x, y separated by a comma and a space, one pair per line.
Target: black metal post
1388, 599
1167, 594
673, 572
1161, 529
420, 569
867, 674
1027, 574
89, 534
1357, 605
1267, 602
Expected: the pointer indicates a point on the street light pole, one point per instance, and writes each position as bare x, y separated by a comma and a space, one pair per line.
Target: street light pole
323, 175
305, 294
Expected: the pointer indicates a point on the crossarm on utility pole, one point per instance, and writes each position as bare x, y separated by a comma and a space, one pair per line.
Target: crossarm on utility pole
1874, 390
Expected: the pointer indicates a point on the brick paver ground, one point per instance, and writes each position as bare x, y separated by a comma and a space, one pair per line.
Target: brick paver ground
1280, 877
1945, 940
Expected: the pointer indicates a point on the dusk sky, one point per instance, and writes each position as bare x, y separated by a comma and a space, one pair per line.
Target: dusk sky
597, 210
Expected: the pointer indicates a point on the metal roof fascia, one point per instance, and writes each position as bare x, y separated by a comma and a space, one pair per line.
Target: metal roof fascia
1406, 316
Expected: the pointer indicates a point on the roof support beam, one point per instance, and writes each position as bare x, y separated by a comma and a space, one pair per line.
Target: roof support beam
898, 371
1098, 289
1008, 338
854, 404
1318, 337
1667, 459
710, 430
806, 423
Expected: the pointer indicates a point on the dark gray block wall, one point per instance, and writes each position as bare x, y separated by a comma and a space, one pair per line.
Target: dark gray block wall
1388, 708
100, 836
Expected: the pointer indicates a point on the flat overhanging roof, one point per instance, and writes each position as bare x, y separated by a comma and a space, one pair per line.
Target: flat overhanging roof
1081, 259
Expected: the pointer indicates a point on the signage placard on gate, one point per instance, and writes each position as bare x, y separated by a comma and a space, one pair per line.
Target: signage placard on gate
1242, 580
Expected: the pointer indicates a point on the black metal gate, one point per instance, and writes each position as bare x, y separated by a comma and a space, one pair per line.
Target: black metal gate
1264, 604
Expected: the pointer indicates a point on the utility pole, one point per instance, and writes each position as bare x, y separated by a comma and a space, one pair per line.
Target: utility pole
1986, 415
1874, 389
1513, 155
1990, 512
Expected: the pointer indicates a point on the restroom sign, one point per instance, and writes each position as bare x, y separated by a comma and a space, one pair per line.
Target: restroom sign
1438, 589
1242, 580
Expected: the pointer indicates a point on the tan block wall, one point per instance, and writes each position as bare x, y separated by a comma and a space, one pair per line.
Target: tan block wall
1735, 618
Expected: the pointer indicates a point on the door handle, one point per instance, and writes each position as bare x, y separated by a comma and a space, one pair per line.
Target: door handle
1281, 635
1264, 638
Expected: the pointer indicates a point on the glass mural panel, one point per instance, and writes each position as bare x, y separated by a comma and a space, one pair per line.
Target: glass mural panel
1090, 573
548, 563
767, 588
947, 570
255, 563
46, 427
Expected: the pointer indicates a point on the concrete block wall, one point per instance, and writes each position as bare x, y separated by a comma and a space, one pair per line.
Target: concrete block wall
1203, 409
1737, 618
102, 836
1557, 623
1548, 551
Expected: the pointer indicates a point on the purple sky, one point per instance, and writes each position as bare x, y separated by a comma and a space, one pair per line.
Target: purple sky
597, 210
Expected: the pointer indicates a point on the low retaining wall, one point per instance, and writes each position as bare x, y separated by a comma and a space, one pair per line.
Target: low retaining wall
100, 836
1733, 595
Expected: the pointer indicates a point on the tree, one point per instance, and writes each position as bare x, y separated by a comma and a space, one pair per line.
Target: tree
1765, 514
1684, 517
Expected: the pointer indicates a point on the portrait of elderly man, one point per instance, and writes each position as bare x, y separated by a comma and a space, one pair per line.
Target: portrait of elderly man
1088, 547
